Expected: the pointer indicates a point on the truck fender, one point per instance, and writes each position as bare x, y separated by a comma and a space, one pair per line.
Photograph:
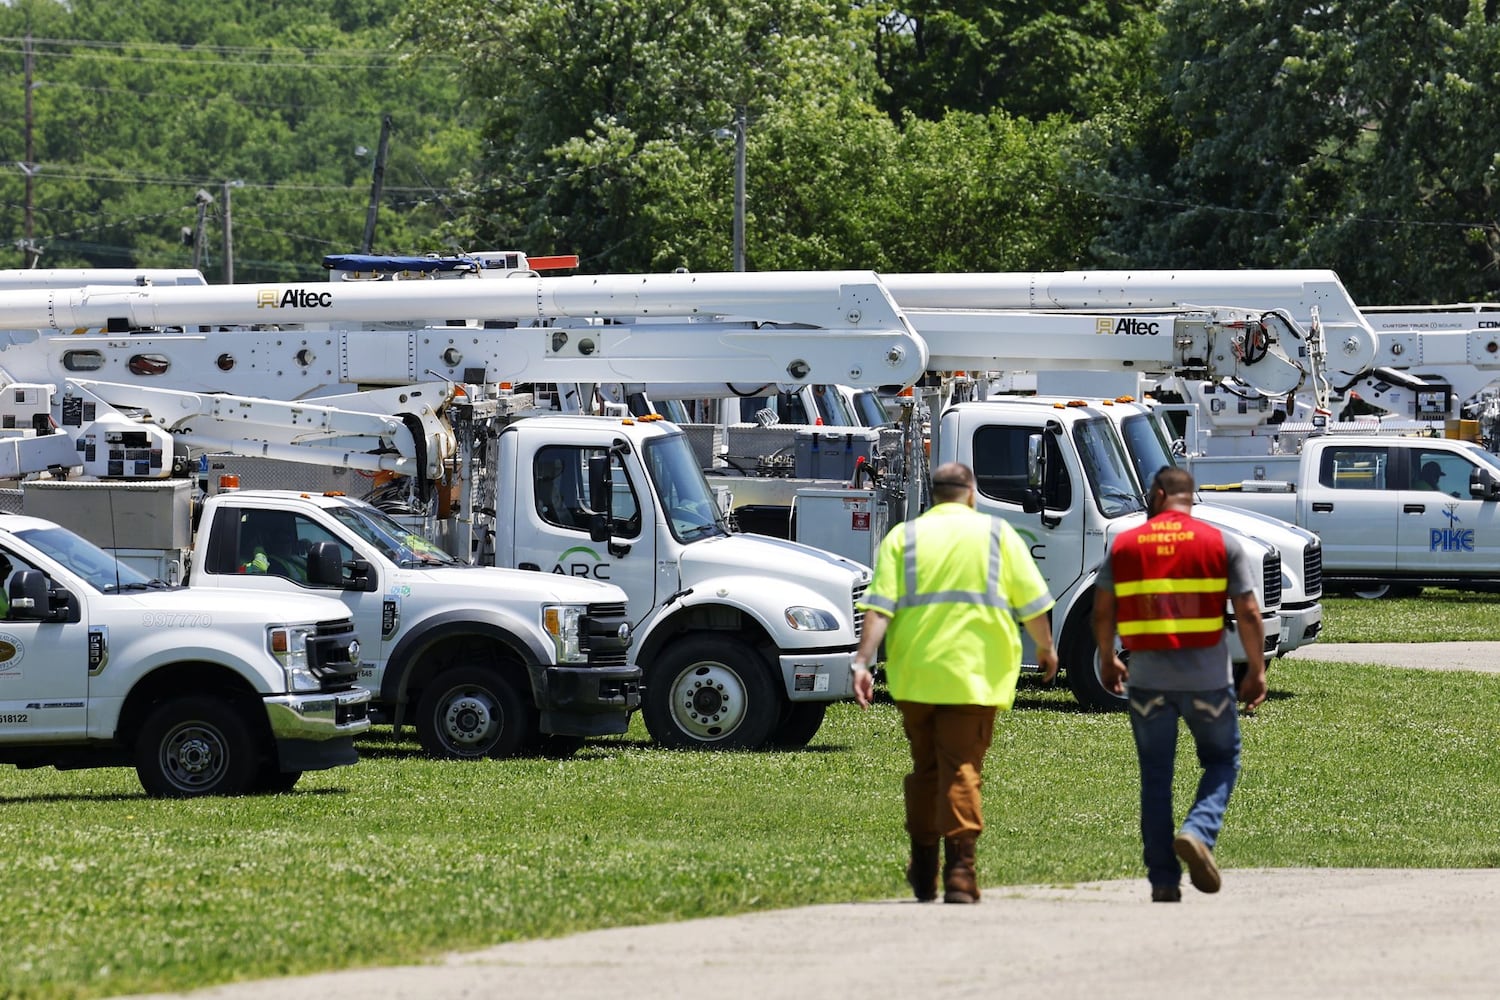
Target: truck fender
716, 605
524, 642
1066, 612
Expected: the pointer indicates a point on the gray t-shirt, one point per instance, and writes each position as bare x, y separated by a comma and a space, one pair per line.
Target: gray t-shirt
1203, 668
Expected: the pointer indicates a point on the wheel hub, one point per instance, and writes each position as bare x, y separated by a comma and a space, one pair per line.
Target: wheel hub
708, 701
469, 720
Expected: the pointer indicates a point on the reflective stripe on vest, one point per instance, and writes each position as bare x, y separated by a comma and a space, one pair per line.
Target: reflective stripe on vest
990, 598
1170, 584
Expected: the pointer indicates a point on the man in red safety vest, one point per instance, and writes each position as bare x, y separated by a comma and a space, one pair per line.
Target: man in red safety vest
1163, 590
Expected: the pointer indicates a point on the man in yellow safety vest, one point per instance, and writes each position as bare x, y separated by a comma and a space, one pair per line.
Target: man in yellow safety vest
948, 589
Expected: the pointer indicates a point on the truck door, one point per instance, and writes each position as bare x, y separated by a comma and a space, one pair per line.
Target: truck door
553, 530
1441, 528
44, 669
1354, 506
265, 549
1055, 536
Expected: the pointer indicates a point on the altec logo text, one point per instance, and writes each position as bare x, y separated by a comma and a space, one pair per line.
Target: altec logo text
1127, 325
292, 298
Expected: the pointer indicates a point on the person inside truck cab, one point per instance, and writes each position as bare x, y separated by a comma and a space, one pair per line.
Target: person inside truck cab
1427, 478
268, 544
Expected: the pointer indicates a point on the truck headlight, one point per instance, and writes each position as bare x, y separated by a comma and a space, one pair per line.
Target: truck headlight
288, 645
562, 623
811, 620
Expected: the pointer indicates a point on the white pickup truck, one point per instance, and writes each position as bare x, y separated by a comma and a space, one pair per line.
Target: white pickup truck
1394, 513
203, 693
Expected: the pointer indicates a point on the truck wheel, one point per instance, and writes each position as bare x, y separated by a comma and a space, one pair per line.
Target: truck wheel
553, 745
272, 780
195, 746
471, 712
1080, 657
800, 722
1383, 591
710, 694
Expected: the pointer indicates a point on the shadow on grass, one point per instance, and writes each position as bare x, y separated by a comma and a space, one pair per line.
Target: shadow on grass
143, 797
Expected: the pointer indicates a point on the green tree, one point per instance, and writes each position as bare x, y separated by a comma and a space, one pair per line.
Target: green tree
1357, 136
593, 103
1031, 58
136, 108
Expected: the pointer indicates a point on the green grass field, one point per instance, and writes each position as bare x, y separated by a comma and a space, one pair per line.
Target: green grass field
401, 857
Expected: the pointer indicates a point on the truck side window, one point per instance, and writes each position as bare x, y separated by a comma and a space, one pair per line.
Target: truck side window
1000, 466
268, 545
561, 490
1357, 467
1441, 471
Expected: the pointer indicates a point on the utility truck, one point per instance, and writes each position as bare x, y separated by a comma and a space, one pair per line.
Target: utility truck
202, 693
1393, 512
734, 654
780, 329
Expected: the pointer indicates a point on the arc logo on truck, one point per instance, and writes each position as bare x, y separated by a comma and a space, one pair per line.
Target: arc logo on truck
1127, 325
582, 561
293, 298
1452, 538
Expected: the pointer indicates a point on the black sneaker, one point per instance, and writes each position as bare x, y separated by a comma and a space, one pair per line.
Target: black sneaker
1166, 894
1202, 869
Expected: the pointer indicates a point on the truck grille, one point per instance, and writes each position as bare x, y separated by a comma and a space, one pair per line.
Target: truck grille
1312, 571
601, 635
328, 655
1271, 570
859, 614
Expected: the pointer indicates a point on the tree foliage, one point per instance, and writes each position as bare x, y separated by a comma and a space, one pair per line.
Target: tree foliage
1357, 136
138, 108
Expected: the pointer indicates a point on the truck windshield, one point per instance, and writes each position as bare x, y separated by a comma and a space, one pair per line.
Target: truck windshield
395, 541
683, 492
1147, 446
1108, 471
101, 570
872, 412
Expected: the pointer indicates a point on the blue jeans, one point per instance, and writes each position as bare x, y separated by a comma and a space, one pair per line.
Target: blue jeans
1213, 719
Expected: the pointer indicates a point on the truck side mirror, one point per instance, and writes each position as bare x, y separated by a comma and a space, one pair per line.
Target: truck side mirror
1031, 496
1483, 485
34, 599
602, 495
325, 568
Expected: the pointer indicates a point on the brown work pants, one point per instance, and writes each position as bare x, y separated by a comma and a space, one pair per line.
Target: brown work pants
948, 744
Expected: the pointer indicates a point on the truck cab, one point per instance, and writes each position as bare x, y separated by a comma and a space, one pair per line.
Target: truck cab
1088, 497
743, 640
203, 693
483, 661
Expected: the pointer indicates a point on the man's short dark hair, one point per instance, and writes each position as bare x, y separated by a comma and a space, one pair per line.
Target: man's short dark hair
951, 482
1173, 481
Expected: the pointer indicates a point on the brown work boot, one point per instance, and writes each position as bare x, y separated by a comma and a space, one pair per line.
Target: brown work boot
960, 880
922, 871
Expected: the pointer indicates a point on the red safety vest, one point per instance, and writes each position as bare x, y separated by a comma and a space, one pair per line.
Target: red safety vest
1171, 578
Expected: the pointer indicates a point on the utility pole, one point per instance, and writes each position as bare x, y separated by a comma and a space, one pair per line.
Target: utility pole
229, 234
377, 181
204, 199
28, 246
739, 189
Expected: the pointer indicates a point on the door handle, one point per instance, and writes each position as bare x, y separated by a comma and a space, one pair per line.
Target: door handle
1413, 508
1323, 507
529, 565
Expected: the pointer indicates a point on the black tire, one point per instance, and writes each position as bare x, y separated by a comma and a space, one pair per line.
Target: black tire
799, 723
710, 694
194, 746
1384, 591
469, 712
1080, 658
272, 780
554, 745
